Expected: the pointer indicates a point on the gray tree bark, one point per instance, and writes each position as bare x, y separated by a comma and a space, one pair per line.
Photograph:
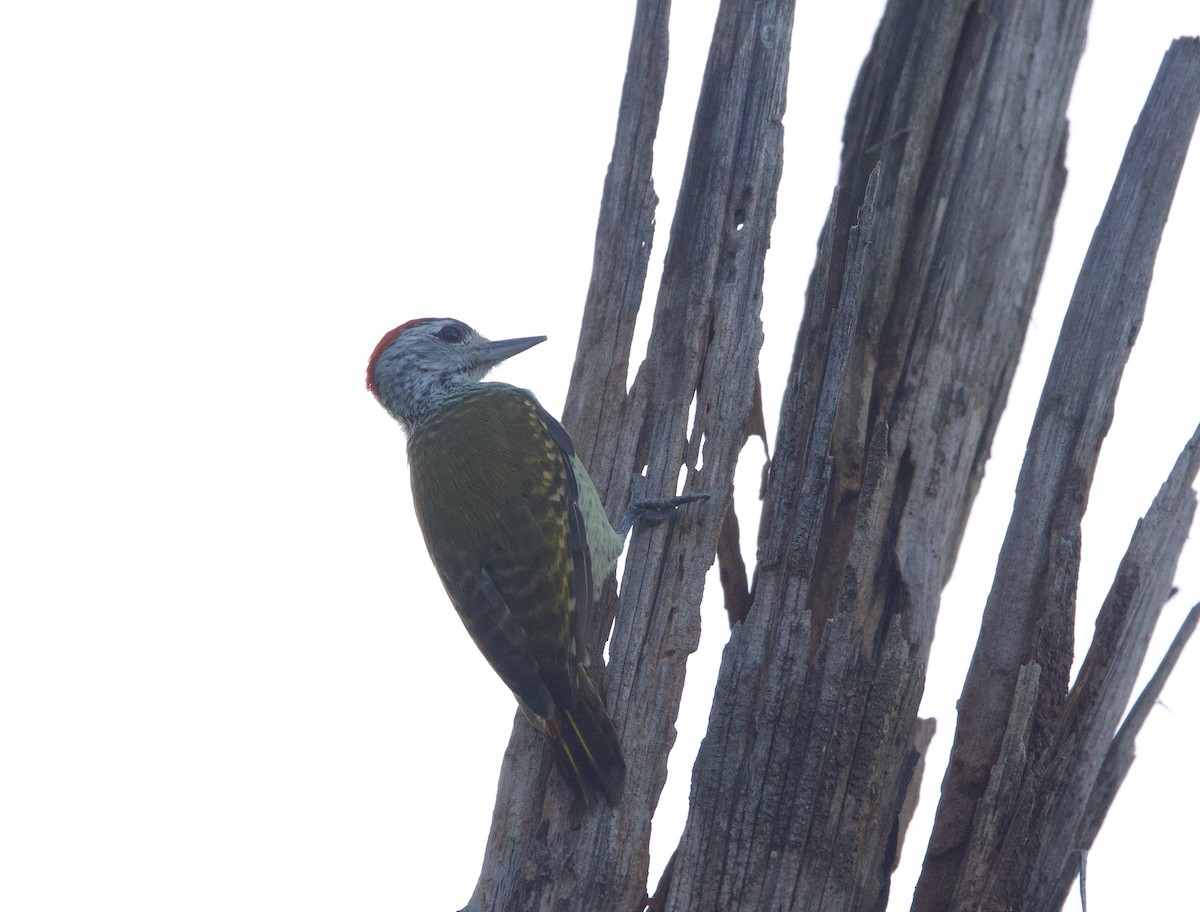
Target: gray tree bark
951, 175
542, 852
1027, 752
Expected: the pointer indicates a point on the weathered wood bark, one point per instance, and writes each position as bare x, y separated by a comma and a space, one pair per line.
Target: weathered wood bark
951, 175
543, 853
536, 848
800, 782
1120, 754
1025, 755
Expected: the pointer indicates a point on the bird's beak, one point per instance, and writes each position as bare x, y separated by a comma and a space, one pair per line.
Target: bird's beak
495, 352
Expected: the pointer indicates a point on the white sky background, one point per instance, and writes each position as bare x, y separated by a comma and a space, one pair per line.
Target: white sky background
229, 677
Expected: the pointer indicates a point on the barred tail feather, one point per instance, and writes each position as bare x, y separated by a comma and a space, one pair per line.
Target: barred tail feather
584, 744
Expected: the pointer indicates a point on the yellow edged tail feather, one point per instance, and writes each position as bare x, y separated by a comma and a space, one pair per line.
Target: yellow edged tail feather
584, 743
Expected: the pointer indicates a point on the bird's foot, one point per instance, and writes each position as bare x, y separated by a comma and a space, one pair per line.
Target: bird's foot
653, 510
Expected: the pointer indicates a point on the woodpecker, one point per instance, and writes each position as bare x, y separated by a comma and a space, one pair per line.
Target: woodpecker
514, 526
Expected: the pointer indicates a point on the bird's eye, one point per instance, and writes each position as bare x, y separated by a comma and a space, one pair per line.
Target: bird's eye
451, 333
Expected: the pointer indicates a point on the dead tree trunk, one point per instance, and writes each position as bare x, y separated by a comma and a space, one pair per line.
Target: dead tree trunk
814, 727
951, 175
1027, 753
702, 360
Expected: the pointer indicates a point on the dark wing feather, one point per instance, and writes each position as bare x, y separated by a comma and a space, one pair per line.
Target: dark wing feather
500, 638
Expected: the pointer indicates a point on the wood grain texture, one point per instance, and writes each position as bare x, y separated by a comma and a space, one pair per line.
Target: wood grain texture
1052, 813
1118, 759
703, 352
541, 849
799, 787
1029, 617
951, 175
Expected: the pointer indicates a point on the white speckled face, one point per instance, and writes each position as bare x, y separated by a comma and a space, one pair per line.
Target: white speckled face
419, 365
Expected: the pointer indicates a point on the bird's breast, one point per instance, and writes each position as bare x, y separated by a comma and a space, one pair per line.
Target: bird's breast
475, 462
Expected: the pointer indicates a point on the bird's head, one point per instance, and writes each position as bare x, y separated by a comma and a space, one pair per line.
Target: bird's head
422, 364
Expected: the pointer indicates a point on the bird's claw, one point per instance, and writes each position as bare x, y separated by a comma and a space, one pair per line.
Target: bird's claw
653, 510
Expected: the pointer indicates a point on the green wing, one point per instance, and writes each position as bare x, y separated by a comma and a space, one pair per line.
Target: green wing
497, 501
